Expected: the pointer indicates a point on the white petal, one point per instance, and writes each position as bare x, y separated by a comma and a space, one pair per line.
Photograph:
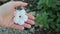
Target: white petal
21, 22
16, 12
23, 11
25, 18
16, 20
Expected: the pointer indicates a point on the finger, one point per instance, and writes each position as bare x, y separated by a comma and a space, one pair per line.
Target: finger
30, 16
30, 22
27, 25
17, 27
17, 3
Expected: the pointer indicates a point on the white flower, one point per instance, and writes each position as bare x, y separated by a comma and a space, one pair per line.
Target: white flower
20, 17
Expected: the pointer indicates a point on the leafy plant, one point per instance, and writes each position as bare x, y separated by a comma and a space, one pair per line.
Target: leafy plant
49, 14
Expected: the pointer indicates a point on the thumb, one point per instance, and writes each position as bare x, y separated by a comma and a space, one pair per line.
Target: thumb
17, 3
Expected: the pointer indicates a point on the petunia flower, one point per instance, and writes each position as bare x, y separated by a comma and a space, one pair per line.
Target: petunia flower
20, 17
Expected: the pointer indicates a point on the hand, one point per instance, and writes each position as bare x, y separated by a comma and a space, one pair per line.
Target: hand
7, 14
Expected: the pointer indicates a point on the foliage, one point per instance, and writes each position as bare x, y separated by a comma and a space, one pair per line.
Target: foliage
49, 14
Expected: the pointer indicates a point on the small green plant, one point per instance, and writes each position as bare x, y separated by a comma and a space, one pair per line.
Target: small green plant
49, 14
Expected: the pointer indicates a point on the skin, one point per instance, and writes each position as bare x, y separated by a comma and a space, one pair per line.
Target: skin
7, 14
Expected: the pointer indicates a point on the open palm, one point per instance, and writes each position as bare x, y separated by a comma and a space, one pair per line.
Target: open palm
7, 14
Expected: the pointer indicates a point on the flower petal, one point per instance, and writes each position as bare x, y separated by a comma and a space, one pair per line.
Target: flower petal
15, 20
16, 12
23, 11
25, 18
21, 22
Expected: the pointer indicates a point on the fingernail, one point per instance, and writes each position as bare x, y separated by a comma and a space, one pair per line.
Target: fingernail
29, 27
22, 28
33, 23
